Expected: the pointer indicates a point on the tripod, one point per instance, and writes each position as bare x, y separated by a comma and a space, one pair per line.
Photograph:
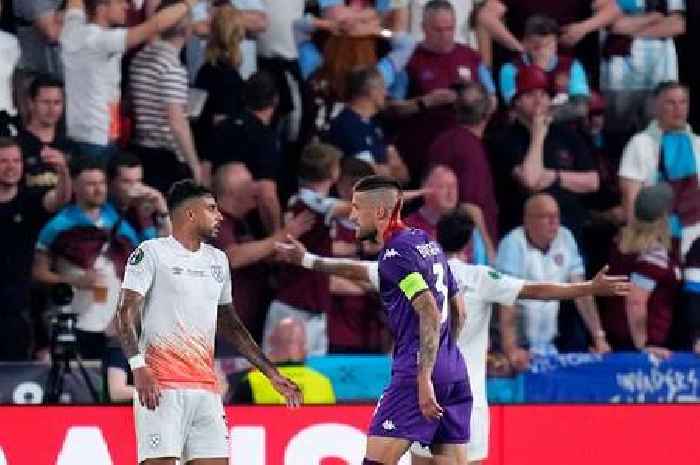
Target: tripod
60, 368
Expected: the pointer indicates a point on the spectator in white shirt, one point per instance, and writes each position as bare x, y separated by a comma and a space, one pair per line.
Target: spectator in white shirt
667, 150
92, 44
542, 250
10, 53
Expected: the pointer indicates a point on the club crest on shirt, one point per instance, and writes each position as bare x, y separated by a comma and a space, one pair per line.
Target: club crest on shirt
559, 259
136, 257
494, 274
217, 272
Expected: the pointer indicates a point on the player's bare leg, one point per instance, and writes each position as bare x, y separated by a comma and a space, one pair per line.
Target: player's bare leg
160, 461
216, 461
449, 454
417, 460
386, 451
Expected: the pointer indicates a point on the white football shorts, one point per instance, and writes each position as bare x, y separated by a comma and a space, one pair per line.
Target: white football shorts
187, 424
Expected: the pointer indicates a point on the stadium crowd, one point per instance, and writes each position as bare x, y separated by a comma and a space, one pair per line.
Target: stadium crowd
561, 127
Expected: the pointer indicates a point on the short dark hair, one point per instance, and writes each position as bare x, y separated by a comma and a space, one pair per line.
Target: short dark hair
665, 86
454, 230
540, 25
122, 160
377, 182
359, 80
184, 190
317, 161
355, 168
260, 91
472, 110
81, 163
43, 81
91, 6
7, 142
437, 5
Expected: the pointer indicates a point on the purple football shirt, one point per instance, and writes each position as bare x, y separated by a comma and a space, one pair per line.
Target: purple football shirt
410, 262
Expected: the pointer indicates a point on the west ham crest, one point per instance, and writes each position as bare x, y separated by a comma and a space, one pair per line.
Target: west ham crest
217, 272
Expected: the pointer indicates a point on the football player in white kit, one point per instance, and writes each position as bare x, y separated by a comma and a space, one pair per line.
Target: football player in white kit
176, 293
481, 287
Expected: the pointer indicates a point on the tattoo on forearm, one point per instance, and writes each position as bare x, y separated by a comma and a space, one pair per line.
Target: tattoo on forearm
128, 322
429, 330
232, 328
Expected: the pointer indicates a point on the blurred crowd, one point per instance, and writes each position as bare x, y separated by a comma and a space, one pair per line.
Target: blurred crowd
561, 127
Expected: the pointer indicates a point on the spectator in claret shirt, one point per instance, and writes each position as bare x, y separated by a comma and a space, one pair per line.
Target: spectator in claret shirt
435, 66
441, 197
462, 149
237, 195
305, 294
642, 321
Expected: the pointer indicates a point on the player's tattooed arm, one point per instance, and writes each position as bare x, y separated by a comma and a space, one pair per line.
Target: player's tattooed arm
232, 328
236, 333
429, 330
127, 321
429, 327
459, 315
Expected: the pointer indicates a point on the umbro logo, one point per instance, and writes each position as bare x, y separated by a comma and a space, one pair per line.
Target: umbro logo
390, 253
388, 425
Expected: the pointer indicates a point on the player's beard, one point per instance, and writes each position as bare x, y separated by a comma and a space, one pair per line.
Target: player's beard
368, 235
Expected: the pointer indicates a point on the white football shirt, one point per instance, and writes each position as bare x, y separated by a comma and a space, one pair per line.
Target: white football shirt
481, 286
182, 291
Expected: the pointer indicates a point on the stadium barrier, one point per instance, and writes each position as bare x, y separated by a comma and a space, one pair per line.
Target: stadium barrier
520, 435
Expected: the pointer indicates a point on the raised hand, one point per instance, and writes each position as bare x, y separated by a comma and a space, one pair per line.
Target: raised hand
291, 251
605, 285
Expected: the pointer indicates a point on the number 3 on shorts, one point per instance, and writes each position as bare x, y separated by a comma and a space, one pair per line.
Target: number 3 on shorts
441, 287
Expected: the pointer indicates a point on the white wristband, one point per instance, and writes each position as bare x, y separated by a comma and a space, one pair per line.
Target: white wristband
137, 361
308, 260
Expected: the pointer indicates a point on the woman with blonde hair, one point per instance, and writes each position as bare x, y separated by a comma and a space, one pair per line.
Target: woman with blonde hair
642, 320
219, 76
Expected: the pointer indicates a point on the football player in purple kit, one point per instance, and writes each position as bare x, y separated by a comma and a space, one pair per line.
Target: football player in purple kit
428, 399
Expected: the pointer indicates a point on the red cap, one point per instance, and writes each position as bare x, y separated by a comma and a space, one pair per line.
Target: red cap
530, 78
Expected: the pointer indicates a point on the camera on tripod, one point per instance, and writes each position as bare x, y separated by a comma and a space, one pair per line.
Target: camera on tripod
64, 342
64, 346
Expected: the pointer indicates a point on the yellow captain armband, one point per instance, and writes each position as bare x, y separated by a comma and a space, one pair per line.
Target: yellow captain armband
412, 285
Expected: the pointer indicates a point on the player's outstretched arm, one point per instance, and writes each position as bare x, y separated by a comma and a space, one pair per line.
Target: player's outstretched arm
601, 285
459, 314
295, 253
233, 329
429, 332
127, 320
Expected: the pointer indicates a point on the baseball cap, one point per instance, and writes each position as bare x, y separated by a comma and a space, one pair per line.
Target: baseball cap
653, 202
530, 78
